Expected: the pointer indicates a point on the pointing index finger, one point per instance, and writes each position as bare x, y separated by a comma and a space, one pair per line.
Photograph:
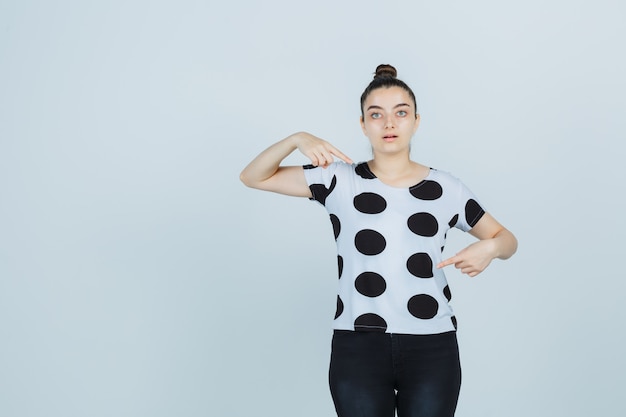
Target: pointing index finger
446, 262
341, 155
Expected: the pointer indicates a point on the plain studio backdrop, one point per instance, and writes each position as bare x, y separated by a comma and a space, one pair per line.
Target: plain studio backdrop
139, 277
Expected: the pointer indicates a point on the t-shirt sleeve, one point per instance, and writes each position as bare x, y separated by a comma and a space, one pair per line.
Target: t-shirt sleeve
470, 210
321, 181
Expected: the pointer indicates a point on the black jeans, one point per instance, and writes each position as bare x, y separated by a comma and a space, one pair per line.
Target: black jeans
373, 374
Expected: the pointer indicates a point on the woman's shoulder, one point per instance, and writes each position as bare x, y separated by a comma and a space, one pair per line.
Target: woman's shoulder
341, 167
445, 179
334, 165
443, 175
336, 171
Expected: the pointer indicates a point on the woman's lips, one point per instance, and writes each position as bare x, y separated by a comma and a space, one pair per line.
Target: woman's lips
389, 138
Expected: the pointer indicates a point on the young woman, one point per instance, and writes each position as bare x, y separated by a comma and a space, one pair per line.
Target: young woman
394, 343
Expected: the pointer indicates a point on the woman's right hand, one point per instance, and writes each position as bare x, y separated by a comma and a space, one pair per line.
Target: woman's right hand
319, 151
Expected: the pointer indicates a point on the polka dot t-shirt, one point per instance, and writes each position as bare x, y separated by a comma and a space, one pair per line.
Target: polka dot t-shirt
389, 241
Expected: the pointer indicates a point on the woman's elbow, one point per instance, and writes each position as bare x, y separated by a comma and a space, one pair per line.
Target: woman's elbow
509, 245
246, 180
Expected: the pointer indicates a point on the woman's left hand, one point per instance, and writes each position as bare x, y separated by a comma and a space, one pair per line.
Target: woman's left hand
495, 242
473, 259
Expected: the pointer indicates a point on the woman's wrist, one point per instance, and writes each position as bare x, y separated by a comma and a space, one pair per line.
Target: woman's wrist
296, 139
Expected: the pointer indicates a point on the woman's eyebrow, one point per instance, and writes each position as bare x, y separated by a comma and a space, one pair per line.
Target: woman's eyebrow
378, 107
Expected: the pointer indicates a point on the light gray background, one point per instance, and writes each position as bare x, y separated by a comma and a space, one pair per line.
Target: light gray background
138, 277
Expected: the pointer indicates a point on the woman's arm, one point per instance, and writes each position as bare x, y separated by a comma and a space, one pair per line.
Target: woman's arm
265, 172
495, 241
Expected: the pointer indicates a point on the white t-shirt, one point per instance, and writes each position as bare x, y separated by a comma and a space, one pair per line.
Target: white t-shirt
389, 241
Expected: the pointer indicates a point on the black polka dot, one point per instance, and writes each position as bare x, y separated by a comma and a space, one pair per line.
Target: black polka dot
426, 190
423, 306
453, 220
369, 242
340, 265
320, 192
423, 224
473, 212
370, 322
420, 265
453, 319
336, 225
363, 171
370, 284
447, 293
339, 307
370, 203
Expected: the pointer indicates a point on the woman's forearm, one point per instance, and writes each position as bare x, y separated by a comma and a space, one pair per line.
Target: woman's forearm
267, 162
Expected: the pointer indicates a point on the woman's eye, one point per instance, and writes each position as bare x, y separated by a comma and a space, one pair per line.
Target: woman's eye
376, 115
402, 113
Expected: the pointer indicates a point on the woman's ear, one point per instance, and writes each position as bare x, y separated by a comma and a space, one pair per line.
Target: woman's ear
362, 121
417, 122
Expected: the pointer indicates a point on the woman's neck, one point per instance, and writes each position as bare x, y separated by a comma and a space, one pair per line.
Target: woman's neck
397, 170
392, 165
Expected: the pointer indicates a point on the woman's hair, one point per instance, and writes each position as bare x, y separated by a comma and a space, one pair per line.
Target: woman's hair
385, 77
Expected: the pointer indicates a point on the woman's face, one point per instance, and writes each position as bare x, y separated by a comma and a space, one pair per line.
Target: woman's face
389, 119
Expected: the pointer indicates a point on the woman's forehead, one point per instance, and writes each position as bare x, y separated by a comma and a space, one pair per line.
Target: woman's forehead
388, 97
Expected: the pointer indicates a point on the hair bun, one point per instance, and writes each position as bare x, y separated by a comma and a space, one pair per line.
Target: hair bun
385, 71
